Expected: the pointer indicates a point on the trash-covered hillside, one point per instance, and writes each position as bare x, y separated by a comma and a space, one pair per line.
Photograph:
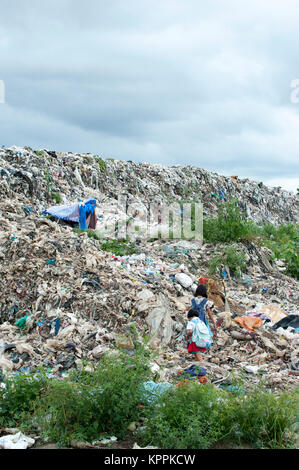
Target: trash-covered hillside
65, 301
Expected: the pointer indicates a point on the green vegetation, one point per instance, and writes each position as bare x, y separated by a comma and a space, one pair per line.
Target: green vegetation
101, 162
232, 225
197, 417
90, 233
56, 197
91, 403
87, 405
19, 398
235, 261
119, 248
284, 243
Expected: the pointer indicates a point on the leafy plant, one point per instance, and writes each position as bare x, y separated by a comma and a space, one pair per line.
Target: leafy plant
184, 418
195, 416
284, 243
230, 225
91, 403
90, 233
119, 248
101, 162
231, 258
19, 396
56, 197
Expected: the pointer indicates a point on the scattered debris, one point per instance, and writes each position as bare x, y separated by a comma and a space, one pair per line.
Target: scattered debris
65, 301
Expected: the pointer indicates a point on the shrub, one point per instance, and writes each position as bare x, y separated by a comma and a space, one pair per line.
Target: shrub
197, 416
284, 242
235, 261
19, 396
91, 403
260, 418
184, 419
230, 225
56, 197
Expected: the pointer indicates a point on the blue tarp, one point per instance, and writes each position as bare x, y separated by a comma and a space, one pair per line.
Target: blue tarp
73, 212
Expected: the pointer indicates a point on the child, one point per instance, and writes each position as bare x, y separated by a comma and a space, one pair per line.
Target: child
198, 336
204, 306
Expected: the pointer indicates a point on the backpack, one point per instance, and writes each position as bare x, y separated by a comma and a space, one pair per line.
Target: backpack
201, 335
201, 309
206, 336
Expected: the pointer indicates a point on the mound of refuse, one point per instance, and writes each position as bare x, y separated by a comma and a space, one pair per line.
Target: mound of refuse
65, 301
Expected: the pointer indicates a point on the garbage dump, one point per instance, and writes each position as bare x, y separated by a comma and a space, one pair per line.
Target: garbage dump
65, 301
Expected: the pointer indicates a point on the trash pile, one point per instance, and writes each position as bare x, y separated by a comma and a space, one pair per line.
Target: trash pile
42, 176
65, 301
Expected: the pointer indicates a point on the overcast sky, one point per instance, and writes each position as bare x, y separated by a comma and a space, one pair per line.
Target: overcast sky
170, 81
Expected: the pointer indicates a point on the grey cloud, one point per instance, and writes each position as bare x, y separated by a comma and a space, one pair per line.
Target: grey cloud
174, 82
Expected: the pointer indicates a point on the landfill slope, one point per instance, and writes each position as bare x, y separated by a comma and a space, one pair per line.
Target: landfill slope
73, 302
30, 175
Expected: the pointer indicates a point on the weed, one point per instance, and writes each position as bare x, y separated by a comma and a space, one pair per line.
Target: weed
119, 248
101, 162
230, 225
91, 403
19, 396
235, 261
90, 233
197, 416
56, 197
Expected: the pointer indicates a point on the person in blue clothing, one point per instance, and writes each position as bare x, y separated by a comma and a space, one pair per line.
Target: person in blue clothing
203, 307
192, 347
201, 300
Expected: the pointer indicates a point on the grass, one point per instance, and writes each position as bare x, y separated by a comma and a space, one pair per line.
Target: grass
232, 225
199, 416
87, 405
119, 248
56, 197
90, 233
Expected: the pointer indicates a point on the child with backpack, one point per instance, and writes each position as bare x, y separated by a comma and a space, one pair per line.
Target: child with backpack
199, 334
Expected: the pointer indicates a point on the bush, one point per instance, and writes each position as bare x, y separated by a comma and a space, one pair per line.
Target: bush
284, 242
235, 261
19, 397
232, 225
184, 419
91, 403
197, 416
56, 197
261, 418
229, 226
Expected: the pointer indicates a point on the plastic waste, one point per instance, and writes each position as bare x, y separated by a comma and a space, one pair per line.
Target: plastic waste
16, 441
